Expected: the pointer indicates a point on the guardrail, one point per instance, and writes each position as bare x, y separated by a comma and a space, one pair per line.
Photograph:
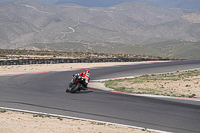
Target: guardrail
56, 61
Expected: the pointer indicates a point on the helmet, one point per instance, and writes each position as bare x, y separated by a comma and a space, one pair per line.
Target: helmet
86, 70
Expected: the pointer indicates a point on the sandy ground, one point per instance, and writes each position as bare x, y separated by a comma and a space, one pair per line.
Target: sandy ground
181, 88
185, 86
20, 69
18, 122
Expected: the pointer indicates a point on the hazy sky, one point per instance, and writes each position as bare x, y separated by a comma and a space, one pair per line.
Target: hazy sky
187, 4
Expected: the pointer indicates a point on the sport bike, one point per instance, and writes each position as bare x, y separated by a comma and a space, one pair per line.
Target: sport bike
76, 84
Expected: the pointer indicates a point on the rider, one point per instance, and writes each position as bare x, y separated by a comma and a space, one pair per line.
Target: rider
86, 76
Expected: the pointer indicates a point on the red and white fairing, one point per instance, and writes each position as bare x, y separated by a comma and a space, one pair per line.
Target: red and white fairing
84, 75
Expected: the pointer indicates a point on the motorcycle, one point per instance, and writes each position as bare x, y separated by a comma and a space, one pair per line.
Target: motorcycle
76, 84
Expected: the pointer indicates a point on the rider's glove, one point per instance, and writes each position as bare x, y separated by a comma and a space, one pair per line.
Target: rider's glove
86, 81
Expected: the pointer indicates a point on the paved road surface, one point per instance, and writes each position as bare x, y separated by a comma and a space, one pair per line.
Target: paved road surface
46, 93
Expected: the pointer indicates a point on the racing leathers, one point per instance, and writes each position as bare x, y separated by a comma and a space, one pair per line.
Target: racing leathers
85, 75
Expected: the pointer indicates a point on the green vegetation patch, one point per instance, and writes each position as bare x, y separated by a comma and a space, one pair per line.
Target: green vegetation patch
2, 110
41, 115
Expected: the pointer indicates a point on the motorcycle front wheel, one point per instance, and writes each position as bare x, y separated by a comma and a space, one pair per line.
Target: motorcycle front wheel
75, 87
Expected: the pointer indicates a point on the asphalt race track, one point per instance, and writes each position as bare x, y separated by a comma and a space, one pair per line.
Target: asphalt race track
45, 92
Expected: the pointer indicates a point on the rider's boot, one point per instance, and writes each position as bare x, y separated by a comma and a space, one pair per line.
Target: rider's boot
83, 87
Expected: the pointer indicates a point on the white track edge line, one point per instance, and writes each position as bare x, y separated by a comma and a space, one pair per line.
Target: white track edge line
84, 119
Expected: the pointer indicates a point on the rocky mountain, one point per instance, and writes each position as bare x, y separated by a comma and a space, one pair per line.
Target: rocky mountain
24, 22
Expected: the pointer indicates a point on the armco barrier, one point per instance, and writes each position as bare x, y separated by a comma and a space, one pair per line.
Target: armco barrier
56, 61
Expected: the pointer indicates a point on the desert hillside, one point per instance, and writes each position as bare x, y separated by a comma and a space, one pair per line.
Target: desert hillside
126, 23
